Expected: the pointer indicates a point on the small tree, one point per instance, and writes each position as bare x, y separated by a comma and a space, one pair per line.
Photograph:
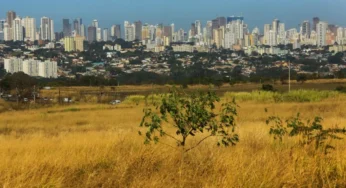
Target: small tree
312, 133
191, 115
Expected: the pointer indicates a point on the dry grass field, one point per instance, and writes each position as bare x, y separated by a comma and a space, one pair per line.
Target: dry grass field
91, 145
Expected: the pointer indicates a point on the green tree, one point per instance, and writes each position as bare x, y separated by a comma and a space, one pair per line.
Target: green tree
191, 115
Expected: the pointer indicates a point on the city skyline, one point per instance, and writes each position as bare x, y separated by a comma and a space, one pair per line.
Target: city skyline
255, 15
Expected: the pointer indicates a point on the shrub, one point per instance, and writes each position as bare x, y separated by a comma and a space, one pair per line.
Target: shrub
312, 132
341, 89
268, 87
191, 115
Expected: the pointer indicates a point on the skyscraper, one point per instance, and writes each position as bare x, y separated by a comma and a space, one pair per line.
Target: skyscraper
29, 25
98, 34
95, 23
129, 31
82, 30
315, 22
321, 30
91, 34
76, 27
275, 25
138, 30
198, 29
7, 32
11, 15
47, 29
116, 31
306, 28
2, 25
66, 27
106, 34
17, 29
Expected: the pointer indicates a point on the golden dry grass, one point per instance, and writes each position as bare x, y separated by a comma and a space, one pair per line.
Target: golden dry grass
98, 146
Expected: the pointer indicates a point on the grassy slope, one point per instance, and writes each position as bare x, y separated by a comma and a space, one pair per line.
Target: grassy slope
98, 145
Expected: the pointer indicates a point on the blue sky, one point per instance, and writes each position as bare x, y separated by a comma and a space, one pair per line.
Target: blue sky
180, 12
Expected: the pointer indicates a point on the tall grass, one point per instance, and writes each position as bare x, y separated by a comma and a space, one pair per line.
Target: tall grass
98, 146
293, 96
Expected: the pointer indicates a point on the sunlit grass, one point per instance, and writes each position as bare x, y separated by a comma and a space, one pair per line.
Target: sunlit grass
93, 145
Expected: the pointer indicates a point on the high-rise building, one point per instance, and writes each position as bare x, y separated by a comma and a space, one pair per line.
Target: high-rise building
91, 34
116, 31
82, 30
76, 27
106, 34
321, 30
193, 31
79, 43
281, 34
315, 21
233, 18
2, 25
11, 15
275, 25
13, 65
145, 32
47, 29
29, 25
173, 28
7, 32
69, 44
30, 67
198, 26
267, 28
138, 30
17, 29
340, 35
98, 34
306, 29
59, 36
129, 31
48, 69
273, 38
95, 23
66, 27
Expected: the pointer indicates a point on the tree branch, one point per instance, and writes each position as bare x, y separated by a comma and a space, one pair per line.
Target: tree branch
193, 147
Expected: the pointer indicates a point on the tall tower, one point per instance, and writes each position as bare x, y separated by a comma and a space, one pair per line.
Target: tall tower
95, 23
198, 27
321, 28
306, 28
11, 15
275, 25
315, 22
29, 25
17, 29
138, 30
66, 27
47, 29
91, 34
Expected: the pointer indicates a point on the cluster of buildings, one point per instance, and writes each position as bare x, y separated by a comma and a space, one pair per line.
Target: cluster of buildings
222, 32
32, 67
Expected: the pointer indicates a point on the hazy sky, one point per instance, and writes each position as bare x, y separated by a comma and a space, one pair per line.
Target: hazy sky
180, 12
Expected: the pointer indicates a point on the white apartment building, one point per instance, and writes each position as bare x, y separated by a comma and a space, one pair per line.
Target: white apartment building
32, 67
29, 25
321, 28
47, 29
130, 30
17, 30
47, 69
13, 65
